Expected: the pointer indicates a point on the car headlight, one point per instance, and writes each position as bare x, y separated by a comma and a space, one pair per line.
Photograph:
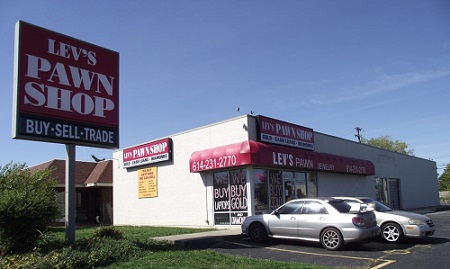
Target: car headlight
415, 222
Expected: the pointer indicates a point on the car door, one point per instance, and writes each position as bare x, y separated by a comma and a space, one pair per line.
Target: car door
312, 219
284, 221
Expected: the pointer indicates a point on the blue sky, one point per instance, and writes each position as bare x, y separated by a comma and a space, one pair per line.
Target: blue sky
331, 66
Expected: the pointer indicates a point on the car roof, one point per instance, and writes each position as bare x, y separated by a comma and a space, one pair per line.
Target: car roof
352, 197
324, 199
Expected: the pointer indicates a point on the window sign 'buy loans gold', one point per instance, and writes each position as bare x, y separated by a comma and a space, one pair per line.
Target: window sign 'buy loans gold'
148, 182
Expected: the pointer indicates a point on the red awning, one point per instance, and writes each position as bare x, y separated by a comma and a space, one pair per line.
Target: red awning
224, 156
267, 155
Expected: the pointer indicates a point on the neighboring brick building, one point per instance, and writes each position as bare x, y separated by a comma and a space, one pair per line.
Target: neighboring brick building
93, 184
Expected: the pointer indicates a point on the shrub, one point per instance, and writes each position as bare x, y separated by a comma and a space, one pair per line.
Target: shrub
104, 247
67, 258
48, 242
27, 206
31, 260
107, 250
107, 245
107, 232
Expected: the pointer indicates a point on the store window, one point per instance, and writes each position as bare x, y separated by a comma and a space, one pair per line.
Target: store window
387, 191
230, 197
275, 187
381, 190
294, 185
260, 181
311, 185
272, 188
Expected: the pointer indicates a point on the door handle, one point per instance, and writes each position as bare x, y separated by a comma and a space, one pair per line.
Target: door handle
293, 218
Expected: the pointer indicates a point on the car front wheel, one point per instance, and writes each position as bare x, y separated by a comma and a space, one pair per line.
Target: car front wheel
331, 239
257, 232
391, 232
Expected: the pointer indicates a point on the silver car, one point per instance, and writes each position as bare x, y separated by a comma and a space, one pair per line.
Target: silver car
396, 224
332, 222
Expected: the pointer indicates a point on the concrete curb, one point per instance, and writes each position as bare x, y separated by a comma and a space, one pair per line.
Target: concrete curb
199, 239
430, 209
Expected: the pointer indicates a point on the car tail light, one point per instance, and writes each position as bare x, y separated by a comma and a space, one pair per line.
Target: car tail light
359, 222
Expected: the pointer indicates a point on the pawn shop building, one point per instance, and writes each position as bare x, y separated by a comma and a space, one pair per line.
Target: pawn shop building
223, 172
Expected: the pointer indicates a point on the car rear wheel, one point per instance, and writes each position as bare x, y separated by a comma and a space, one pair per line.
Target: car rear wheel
331, 239
257, 232
391, 232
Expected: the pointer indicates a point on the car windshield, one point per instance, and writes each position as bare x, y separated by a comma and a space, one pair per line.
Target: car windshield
380, 207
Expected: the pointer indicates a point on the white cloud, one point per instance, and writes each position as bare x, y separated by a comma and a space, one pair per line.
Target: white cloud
380, 85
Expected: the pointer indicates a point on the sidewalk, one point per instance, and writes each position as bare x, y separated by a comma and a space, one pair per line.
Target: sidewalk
197, 239
442, 207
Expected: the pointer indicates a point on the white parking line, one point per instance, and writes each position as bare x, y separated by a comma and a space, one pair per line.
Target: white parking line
382, 262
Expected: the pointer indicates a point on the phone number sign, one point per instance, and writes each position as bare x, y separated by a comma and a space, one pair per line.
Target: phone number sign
214, 163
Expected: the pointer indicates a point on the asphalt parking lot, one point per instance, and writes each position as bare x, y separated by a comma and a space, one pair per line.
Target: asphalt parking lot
430, 252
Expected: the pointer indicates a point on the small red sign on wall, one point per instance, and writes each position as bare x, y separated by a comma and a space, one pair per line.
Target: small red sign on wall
152, 152
284, 133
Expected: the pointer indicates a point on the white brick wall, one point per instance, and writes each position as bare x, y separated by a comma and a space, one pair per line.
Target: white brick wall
182, 196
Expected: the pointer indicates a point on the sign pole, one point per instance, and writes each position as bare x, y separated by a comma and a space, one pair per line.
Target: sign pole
70, 194
83, 107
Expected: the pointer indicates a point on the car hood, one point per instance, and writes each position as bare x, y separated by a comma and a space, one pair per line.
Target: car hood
253, 218
407, 214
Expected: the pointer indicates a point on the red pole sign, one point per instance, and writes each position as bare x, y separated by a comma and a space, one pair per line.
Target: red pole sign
66, 90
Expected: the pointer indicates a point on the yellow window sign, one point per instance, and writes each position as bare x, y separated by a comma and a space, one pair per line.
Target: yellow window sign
148, 182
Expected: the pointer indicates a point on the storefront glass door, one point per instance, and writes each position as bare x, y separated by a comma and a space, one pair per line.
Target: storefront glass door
272, 188
289, 190
294, 185
388, 191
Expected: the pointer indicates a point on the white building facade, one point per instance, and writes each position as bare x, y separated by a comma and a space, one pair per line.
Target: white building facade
221, 173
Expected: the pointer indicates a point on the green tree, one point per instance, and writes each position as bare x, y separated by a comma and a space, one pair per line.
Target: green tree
444, 179
385, 142
27, 206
